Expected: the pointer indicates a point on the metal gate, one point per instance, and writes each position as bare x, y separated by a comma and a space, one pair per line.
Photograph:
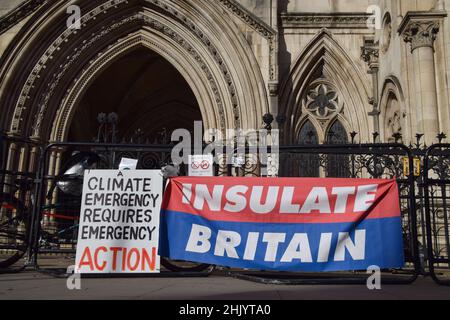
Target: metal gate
19, 158
54, 212
375, 161
436, 183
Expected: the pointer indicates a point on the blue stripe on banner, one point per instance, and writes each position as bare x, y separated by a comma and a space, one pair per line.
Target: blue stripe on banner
283, 247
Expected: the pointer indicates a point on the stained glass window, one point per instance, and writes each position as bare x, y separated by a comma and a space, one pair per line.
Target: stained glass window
308, 164
337, 165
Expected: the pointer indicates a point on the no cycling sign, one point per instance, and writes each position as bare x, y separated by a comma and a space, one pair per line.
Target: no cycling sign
201, 166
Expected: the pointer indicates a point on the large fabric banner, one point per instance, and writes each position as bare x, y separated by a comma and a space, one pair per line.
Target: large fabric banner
312, 225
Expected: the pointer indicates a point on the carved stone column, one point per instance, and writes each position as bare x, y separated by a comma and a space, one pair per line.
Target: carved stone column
370, 53
420, 30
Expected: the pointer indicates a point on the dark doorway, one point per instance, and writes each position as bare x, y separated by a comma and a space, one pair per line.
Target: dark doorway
150, 97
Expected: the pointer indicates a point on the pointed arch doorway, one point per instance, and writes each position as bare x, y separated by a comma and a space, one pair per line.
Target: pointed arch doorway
149, 96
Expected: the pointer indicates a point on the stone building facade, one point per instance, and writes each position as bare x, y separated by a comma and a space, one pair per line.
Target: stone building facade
324, 69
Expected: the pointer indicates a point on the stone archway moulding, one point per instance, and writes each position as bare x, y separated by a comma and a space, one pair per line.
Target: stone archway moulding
28, 7
229, 104
61, 125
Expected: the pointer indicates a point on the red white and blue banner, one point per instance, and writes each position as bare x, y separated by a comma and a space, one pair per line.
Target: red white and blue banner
312, 225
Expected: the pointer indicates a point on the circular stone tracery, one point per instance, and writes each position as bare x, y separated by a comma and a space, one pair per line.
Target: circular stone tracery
322, 101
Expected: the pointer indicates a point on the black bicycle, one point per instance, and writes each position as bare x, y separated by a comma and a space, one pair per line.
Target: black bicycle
14, 227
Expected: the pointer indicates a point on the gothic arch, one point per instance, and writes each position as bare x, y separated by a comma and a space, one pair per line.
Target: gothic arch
340, 122
393, 110
324, 57
314, 123
322, 131
42, 76
61, 125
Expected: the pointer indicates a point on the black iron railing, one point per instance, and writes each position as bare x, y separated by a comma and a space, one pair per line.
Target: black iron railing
30, 173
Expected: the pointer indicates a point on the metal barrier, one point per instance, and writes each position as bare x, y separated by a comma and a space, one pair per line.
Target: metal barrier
55, 213
19, 158
59, 189
436, 183
353, 161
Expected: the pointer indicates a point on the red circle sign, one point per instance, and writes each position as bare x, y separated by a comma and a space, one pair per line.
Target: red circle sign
195, 165
205, 164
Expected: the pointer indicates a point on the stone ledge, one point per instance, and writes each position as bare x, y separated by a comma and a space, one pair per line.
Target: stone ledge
249, 18
19, 13
313, 20
420, 16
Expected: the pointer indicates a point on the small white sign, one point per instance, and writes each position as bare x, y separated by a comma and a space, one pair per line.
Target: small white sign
119, 222
201, 166
238, 161
128, 164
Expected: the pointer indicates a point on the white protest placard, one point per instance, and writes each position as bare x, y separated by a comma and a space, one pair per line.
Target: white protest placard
119, 222
201, 166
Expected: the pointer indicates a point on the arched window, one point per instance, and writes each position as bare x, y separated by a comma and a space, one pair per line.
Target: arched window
337, 165
308, 134
337, 134
308, 164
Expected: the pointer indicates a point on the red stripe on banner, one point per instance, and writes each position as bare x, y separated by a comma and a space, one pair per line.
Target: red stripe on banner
59, 216
283, 200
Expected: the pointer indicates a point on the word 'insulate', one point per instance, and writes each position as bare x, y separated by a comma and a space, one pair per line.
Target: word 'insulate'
263, 200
